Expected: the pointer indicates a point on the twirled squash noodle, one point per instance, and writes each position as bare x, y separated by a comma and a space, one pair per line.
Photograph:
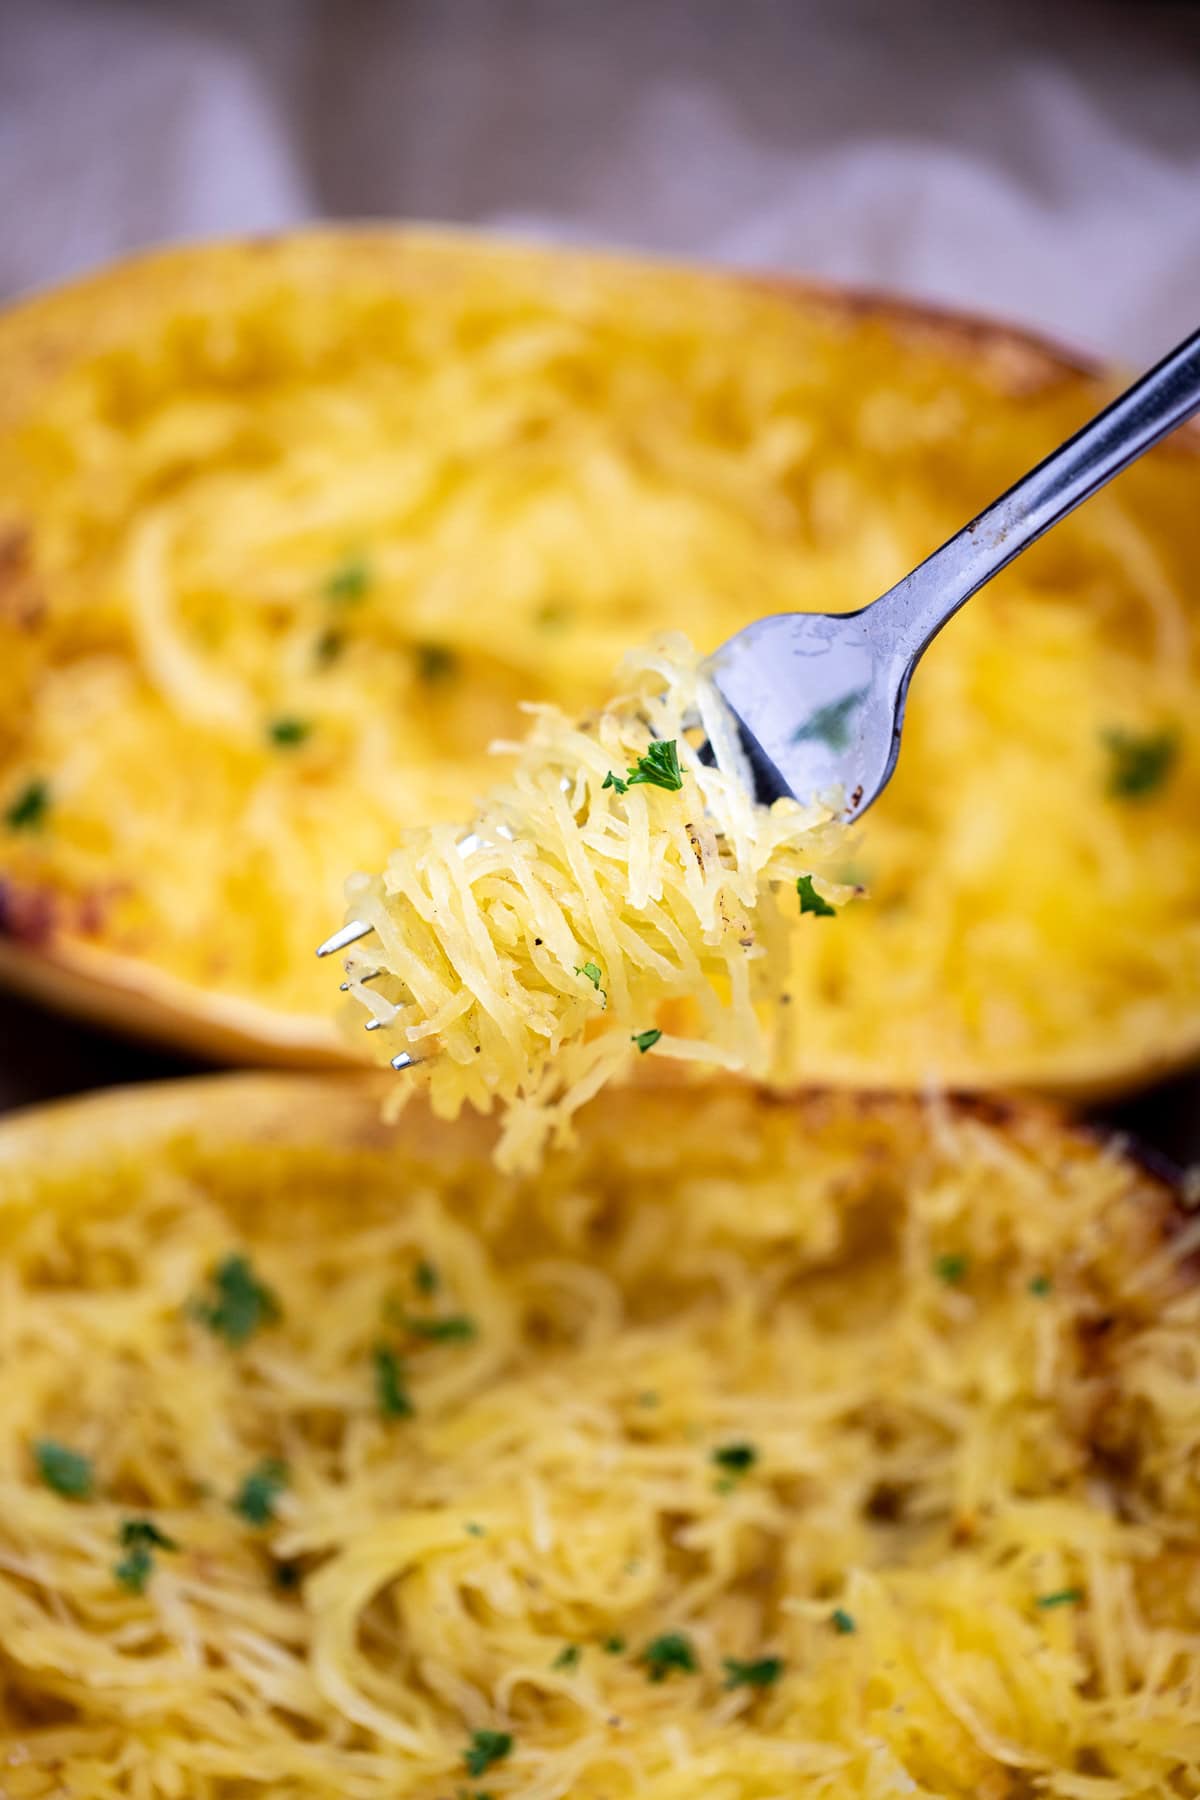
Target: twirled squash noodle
527, 958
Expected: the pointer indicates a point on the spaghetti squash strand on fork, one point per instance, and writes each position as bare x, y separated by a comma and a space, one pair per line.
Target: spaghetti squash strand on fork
615, 870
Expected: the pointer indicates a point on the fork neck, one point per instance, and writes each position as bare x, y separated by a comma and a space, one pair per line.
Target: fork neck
914, 611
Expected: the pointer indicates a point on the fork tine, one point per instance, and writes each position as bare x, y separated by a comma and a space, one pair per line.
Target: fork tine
405, 1061
359, 980
341, 940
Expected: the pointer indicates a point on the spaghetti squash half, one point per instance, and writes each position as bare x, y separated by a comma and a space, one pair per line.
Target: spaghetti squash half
834, 1446
288, 529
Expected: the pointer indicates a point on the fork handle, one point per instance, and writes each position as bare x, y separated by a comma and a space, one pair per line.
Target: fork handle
917, 607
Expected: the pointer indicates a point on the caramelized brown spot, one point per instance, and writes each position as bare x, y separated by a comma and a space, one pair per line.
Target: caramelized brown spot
21, 602
30, 915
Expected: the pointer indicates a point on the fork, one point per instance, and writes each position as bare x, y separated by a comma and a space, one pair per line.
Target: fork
819, 697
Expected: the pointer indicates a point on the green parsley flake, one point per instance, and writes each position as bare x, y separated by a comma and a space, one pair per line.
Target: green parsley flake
568, 1657
736, 1459
27, 810
243, 1304
145, 1531
425, 1277
830, 724
135, 1569
485, 1749
614, 1646
287, 732
435, 663
765, 1671
1139, 764
811, 901
671, 1651
1041, 1285
843, 1622
348, 582
474, 1529
951, 1267
592, 972
658, 768
256, 1497
456, 1328
391, 1394
140, 1538
646, 1040
1070, 1596
64, 1470
615, 782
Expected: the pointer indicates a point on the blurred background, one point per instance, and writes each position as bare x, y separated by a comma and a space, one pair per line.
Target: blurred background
1033, 159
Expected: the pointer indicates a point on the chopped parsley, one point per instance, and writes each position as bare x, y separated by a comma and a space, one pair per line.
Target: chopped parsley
425, 1277
592, 972
139, 1539
391, 1393
552, 615
614, 1646
843, 1622
615, 782
435, 663
646, 1040
288, 731
474, 1529
671, 1651
951, 1267
763, 1672
256, 1497
455, 1328
735, 1459
135, 1568
64, 1470
830, 724
348, 582
1041, 1285
1069, 1596
1139, 763
242, 1305
811, 901
27, 810
568, 1657
486, 1748
658, 768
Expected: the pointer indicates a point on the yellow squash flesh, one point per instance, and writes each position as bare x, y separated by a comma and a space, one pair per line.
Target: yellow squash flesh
288, 530
868, 1428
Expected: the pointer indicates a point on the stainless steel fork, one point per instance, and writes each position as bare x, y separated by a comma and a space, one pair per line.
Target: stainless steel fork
820, 697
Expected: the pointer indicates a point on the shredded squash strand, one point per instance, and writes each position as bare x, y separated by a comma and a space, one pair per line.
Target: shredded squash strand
528, 958
871, 1433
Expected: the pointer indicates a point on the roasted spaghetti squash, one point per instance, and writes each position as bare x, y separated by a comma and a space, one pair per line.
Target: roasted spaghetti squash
835, 1447
287, 529
621, 871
